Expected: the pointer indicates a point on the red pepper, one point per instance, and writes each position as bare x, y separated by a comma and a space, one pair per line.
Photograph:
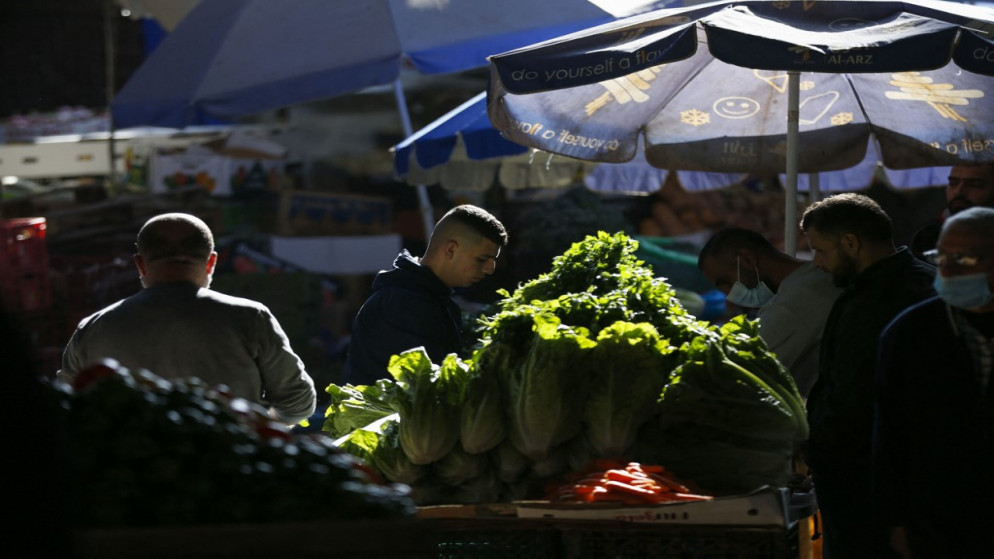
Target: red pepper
670, 483
627, 488
622, 475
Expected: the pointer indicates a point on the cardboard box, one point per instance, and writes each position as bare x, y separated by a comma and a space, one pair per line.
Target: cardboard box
307, 213
218, 174
767, 506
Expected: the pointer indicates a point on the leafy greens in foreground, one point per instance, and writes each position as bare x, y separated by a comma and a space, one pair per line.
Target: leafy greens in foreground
628, 369
719, 414
546, 390
596, 358
429, 399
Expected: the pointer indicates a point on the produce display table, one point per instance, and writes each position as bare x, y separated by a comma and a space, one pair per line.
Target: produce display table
764, 524
450, 538
548, 508
488, 531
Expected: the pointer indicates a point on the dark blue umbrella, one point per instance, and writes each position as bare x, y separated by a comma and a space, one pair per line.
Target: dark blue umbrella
914, 74
231, 58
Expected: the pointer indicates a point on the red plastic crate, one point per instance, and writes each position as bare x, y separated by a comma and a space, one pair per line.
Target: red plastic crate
22, 246
26, 291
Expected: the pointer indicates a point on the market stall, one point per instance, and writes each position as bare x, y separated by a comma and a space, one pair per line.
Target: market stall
596, 418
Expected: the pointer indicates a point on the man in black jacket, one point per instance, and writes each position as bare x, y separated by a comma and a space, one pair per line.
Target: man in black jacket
411, 305
852, 239
934, 445
969, 186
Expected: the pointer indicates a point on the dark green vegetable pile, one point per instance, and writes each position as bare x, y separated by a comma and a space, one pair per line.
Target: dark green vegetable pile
145, 451
596, 358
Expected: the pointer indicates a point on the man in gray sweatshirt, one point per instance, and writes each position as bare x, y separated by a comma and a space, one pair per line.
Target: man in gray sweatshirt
176, 327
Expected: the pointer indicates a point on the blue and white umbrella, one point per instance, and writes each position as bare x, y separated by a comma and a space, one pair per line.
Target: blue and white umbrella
829, 74
462, 150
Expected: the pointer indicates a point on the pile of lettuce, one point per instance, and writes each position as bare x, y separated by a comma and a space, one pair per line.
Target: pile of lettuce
595, 358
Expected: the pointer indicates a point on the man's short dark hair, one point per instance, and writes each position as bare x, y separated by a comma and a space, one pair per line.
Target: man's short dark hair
152, 245
988, 166
731, 239
479, 220
853, 213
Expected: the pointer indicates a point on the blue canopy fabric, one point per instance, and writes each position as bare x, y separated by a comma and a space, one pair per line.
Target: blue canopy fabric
230, 58
891, 69
434, 144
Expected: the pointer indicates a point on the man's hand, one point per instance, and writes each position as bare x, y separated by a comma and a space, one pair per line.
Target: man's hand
276, 417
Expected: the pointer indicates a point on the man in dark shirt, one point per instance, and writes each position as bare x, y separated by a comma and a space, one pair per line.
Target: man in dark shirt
411, 305
852, 238
935, 405
969, 186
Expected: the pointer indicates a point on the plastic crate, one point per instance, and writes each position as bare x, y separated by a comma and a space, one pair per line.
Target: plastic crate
22, 245
681, 542
595, 539
26, 290
496, 543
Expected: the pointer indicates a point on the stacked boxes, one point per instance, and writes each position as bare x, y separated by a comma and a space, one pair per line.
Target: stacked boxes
24, 278
308, 213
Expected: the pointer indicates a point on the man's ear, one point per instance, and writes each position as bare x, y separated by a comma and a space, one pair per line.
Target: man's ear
747, 258
850, 244
451, 246
211, 262
140, 264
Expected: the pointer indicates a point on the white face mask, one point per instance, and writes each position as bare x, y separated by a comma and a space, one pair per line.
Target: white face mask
750, 298
971, 291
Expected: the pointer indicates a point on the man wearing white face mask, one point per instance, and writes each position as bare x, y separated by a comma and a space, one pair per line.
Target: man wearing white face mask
792, 297
935, 403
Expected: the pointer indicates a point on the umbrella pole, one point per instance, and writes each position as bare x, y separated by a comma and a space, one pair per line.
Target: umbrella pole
427, 212
790, 199
110, 53
814, 187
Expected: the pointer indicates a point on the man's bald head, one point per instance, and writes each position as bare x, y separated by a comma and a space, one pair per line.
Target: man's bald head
175, 247
175, 236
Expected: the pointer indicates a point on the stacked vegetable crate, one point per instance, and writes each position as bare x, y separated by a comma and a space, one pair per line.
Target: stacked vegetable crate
24, 280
